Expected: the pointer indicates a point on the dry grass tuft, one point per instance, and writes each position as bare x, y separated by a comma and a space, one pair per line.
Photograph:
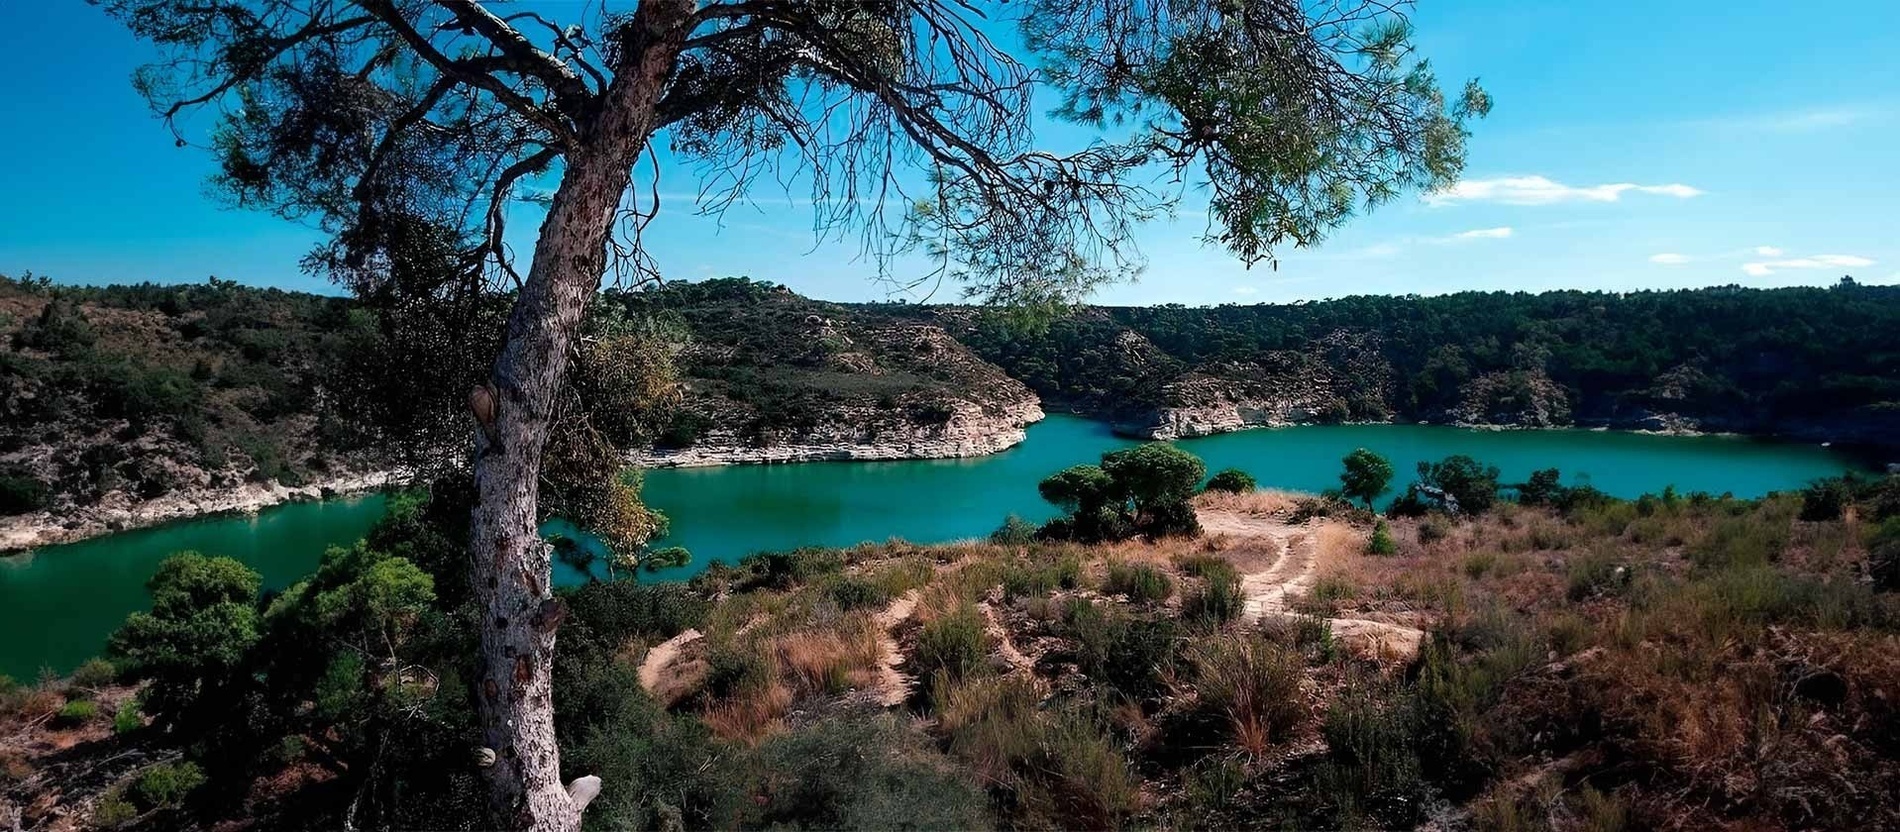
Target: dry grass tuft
1258, 502
827, 662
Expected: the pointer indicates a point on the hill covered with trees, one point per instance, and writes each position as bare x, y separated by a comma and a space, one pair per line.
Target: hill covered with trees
1807, 362
114, 397
117, 395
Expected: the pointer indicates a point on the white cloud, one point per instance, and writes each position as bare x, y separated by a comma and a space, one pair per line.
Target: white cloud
1244, 290
1540, 190
1669, 258
1818, 261
1811, 120
1484, 234
1769, 251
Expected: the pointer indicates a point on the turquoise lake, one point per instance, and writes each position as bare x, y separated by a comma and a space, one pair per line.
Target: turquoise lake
59, 603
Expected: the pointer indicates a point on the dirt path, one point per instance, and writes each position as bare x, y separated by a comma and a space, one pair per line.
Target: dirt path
1279, 562
893, 686
1011, 658
658, 659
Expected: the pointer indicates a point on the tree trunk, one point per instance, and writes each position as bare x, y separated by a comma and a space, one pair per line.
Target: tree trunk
511, 563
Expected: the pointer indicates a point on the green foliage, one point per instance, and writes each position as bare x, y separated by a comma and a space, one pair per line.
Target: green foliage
1079, 489
1141, 582
1542, 489
127, 718
1154, 475
77, 712
1381, 542
1232, 481
1457, 484
1608, 352
1127, 652
192, 644
1826, 499
1015, 531
168, 784
113, 810
1217, 599
1366, 476
94, 673
859, 772
1142, 490
953, 645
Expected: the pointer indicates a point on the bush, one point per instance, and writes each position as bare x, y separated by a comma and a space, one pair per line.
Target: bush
1140, 582
127, 719
168, 784
857, 773
1054, 768
1254, 685
1035, 579
95, 673
76, 713
1128, 653
1826, 499
953, 645
1233, 481
853, 593
1015, 531
113, 810
1381, 542
1217, 600
1432, 531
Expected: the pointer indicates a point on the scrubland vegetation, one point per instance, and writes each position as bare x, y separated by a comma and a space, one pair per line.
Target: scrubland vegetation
1677, 661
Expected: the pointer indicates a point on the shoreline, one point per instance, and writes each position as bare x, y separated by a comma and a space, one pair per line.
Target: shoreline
23, 533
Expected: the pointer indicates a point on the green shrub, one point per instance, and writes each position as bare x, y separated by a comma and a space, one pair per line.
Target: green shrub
127, 719
1038, 578
1826, 499
1596, 574
95, 673
733, 670
1128, 653
1015, 531
1432, 531
853, 593
77, 712
1141, 582
113, 810
953, 645
1216, 601
168, 784
1233, 481
856, 772
1381, 542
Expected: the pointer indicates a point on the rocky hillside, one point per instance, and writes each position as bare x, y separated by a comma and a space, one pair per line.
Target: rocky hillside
1817, 364
770, 376
126, 406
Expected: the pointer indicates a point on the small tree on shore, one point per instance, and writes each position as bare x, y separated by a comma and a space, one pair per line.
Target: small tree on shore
1367, 476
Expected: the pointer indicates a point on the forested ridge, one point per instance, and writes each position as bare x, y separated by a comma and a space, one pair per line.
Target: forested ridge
1818, 362
139, 389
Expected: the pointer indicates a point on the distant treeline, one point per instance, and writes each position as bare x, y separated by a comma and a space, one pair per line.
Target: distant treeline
1737, 358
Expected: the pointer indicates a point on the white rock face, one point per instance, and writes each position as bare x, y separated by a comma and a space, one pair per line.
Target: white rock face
121, 511
867, 434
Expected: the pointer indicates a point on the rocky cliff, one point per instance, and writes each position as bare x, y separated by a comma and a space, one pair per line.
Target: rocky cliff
770, 376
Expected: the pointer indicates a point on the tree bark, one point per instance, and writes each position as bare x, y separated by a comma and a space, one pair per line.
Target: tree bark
511, 564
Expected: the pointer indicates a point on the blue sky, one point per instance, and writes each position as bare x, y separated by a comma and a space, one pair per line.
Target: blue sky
1658, 144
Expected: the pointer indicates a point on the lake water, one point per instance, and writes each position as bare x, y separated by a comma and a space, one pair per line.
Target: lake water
58, 604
